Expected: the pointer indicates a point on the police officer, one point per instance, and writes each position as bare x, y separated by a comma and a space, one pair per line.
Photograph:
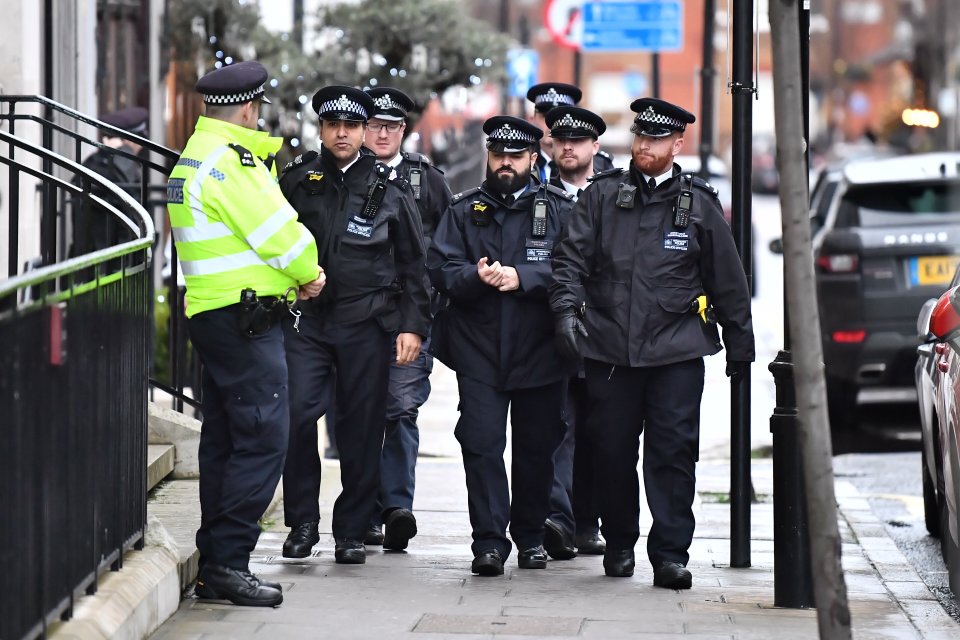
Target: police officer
376, 303
573, 523
244, 257
491, 257
546, 96
646, 265
409, 385
93, 228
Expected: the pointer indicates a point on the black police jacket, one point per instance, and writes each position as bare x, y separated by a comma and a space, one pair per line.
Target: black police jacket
637, 273
374, 266
433, 195
94, 228
504, 339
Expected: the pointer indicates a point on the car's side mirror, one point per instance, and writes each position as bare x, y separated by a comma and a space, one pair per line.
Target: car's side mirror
944, 319
776, 245
923, 320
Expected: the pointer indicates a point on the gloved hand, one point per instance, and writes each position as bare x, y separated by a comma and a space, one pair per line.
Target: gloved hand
736, 370
566, 328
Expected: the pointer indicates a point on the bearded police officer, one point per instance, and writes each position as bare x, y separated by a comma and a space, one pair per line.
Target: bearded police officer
491, 257
409, 385
646, 268
546, 96
244, 259
573, 525
376, 303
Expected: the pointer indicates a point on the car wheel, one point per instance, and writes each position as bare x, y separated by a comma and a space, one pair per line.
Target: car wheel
931, 505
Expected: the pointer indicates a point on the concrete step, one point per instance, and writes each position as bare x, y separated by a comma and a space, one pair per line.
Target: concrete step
160, 459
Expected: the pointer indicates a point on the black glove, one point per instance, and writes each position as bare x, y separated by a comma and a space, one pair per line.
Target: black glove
566, 328
736, 370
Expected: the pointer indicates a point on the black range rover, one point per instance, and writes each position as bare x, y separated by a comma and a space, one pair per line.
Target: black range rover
886, 238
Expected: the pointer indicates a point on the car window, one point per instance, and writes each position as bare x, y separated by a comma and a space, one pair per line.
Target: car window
883, 205
821, 204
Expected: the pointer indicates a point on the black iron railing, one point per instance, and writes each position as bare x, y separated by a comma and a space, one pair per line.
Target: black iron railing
74, 363
76, 136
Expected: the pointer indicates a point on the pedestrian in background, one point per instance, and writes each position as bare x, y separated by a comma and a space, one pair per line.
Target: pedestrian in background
409, 385
376, 304
245, 259
646, 263
491, 257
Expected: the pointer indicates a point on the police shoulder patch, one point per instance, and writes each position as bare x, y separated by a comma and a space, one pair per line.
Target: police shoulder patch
606, 174
246, 157
557, 191
703, 184
313, 177
300, 159
464, 194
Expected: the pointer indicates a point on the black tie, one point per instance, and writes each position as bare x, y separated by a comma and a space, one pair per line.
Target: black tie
652, 183
579, 193
509, 199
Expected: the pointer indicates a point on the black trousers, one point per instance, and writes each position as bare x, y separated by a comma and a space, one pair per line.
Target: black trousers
573, 499
244, 435
663, 404
360, 355
482, 433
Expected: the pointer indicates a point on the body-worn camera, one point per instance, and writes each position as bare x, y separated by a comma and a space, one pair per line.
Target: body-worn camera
626, 194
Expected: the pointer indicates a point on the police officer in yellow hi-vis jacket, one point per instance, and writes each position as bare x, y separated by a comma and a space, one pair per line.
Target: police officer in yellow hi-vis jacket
245, 260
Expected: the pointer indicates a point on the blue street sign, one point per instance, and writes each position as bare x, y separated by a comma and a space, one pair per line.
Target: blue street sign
633, 25
522, 65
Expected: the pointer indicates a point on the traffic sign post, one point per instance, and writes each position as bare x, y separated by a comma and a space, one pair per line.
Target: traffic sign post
522, 65
633, 25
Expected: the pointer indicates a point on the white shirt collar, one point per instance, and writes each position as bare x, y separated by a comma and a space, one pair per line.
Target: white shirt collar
352, 162
395, 161
571, 188
666, 175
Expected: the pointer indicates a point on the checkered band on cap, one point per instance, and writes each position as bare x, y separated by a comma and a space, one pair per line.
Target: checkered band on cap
553, 97
506, 133
343, 104
385, 102
569, 122
233, 98
651, 116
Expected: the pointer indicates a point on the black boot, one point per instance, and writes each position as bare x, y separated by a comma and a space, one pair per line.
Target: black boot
301, 539
239, 586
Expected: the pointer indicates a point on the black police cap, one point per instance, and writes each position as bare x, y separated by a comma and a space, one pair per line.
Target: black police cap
508, 134
131, 119
339, 102
658, 118
234, 84
574, 122
390, 103
547, 95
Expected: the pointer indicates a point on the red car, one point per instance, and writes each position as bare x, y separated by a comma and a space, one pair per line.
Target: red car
938, 387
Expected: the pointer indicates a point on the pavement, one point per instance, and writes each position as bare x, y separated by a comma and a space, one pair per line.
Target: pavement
428, 591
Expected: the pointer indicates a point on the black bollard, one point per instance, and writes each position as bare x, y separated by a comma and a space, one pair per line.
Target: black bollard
792, 578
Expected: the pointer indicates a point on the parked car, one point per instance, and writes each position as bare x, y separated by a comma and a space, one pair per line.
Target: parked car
886, 237
937, 374
764, 175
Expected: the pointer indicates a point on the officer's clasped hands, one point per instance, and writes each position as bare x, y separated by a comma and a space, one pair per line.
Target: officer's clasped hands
510, 280
313, 289
490, 274
566, 329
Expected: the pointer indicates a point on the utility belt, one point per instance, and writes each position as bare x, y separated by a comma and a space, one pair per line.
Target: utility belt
259, 314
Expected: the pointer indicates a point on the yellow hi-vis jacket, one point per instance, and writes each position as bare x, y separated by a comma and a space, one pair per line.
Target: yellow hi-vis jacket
232, 226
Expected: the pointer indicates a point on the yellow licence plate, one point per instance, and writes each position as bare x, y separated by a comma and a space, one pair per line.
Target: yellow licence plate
932, 270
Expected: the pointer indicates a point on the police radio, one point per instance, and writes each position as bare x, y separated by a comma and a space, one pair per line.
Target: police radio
626, 194
681, 210
415, 175
374, 198
539, 227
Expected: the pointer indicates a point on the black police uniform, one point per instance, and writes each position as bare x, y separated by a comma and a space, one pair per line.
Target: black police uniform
501, 346
409, 385
94, 228
637, 272
376, 287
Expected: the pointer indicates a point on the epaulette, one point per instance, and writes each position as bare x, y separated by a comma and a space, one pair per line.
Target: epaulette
703, 184
606, 155
606, 174
300, 159
464, 194
559, 192
246, 158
